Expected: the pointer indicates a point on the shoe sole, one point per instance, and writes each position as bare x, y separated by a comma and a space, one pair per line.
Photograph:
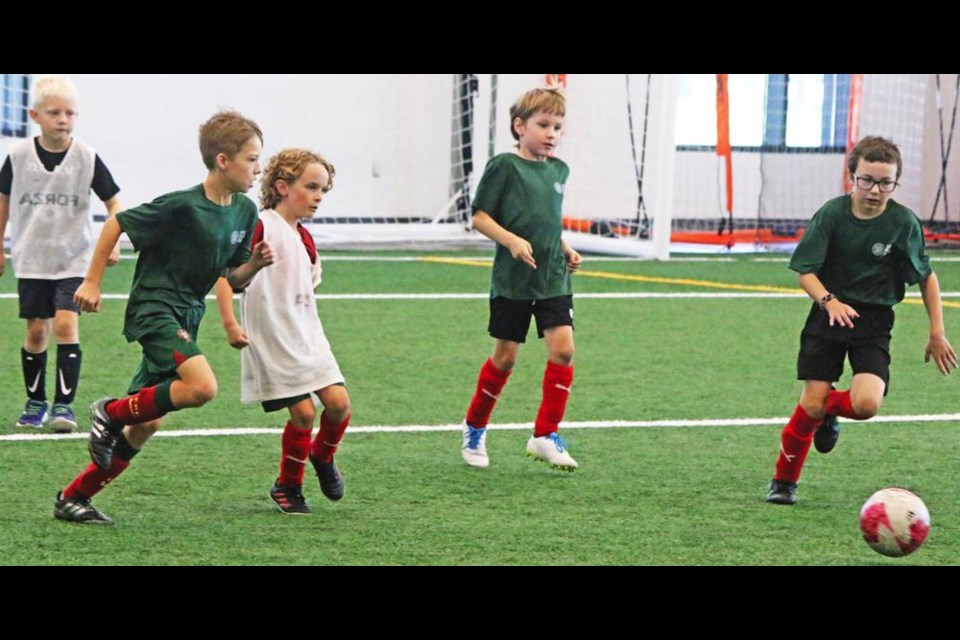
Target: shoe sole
335, 498
62, 425
476, 462
787, 503
293, 513
32, 426
72, 521
553, 465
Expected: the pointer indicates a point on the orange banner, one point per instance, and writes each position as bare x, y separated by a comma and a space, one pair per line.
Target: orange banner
723, 134
723, 116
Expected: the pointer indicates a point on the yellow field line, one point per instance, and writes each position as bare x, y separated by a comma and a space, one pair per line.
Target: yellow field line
687, 282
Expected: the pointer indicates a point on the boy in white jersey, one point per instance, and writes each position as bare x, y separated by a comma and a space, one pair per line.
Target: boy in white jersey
286, 355
45, 186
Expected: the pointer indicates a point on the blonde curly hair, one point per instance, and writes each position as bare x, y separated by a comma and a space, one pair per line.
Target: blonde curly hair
288, 165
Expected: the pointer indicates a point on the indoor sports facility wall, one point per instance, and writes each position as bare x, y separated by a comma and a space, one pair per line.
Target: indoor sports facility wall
393, 139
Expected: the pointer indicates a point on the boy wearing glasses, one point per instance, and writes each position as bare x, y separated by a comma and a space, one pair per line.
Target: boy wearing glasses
853, 260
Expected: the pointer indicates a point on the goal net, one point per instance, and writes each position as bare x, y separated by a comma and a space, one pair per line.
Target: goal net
789, 135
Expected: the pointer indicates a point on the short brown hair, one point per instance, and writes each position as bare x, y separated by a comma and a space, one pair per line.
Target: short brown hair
875, 149
547, 100
226, 132
288, 165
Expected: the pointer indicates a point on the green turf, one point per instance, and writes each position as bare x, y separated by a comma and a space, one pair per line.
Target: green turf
671, 496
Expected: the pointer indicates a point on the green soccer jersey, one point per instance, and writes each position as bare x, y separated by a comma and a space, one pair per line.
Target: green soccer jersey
185, 242
863, 260
525, 198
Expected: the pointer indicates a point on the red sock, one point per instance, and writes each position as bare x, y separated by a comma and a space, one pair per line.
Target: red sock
489, 385
136, 409
327, 441
794, 445
838, 404
295, 445
557, 380
93, 479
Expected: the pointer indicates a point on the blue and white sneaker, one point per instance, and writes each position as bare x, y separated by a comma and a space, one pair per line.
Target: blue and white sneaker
34, 413
62, 419
552, 450
474, 449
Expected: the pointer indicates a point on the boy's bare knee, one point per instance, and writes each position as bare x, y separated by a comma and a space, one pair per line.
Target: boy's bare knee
338, 410
563, 356
37, 338
201, 394
866, 408
302, 415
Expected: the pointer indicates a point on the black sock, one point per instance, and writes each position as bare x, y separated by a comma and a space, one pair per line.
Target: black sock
124, 450
34, 374
69, 359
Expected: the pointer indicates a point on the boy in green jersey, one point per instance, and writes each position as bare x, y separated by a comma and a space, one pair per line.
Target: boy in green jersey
186, 240
853, 260
518, 206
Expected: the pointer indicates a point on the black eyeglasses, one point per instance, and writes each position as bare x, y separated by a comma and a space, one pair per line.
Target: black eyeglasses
866, 183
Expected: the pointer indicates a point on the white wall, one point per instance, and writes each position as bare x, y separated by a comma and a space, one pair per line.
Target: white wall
145, 128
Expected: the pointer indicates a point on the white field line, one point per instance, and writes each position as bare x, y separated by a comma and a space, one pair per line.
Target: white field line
420, 428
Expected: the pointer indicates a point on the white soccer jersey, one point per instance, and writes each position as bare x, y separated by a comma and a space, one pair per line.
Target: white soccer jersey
50, 223
289, 354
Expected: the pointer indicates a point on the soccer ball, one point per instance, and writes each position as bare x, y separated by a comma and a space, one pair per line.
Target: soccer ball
894, 522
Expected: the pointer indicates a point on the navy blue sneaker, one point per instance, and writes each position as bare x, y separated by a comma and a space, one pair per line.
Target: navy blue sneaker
782, 492
825, 438
62, 419
34, 413
331, 483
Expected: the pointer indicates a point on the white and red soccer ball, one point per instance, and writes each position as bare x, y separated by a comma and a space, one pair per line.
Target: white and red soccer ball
894, 522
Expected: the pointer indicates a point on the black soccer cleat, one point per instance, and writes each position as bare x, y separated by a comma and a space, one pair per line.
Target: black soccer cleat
289, 499
782, 492
104, 433
77, 510
331, 483
825, 438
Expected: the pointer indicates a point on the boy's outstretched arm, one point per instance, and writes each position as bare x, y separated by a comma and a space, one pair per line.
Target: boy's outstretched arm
113, 208
87, 296
262, 256
4, 214
938, 347
236, 336
519, 248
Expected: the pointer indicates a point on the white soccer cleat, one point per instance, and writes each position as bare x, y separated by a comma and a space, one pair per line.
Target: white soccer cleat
474, 448
552, 450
